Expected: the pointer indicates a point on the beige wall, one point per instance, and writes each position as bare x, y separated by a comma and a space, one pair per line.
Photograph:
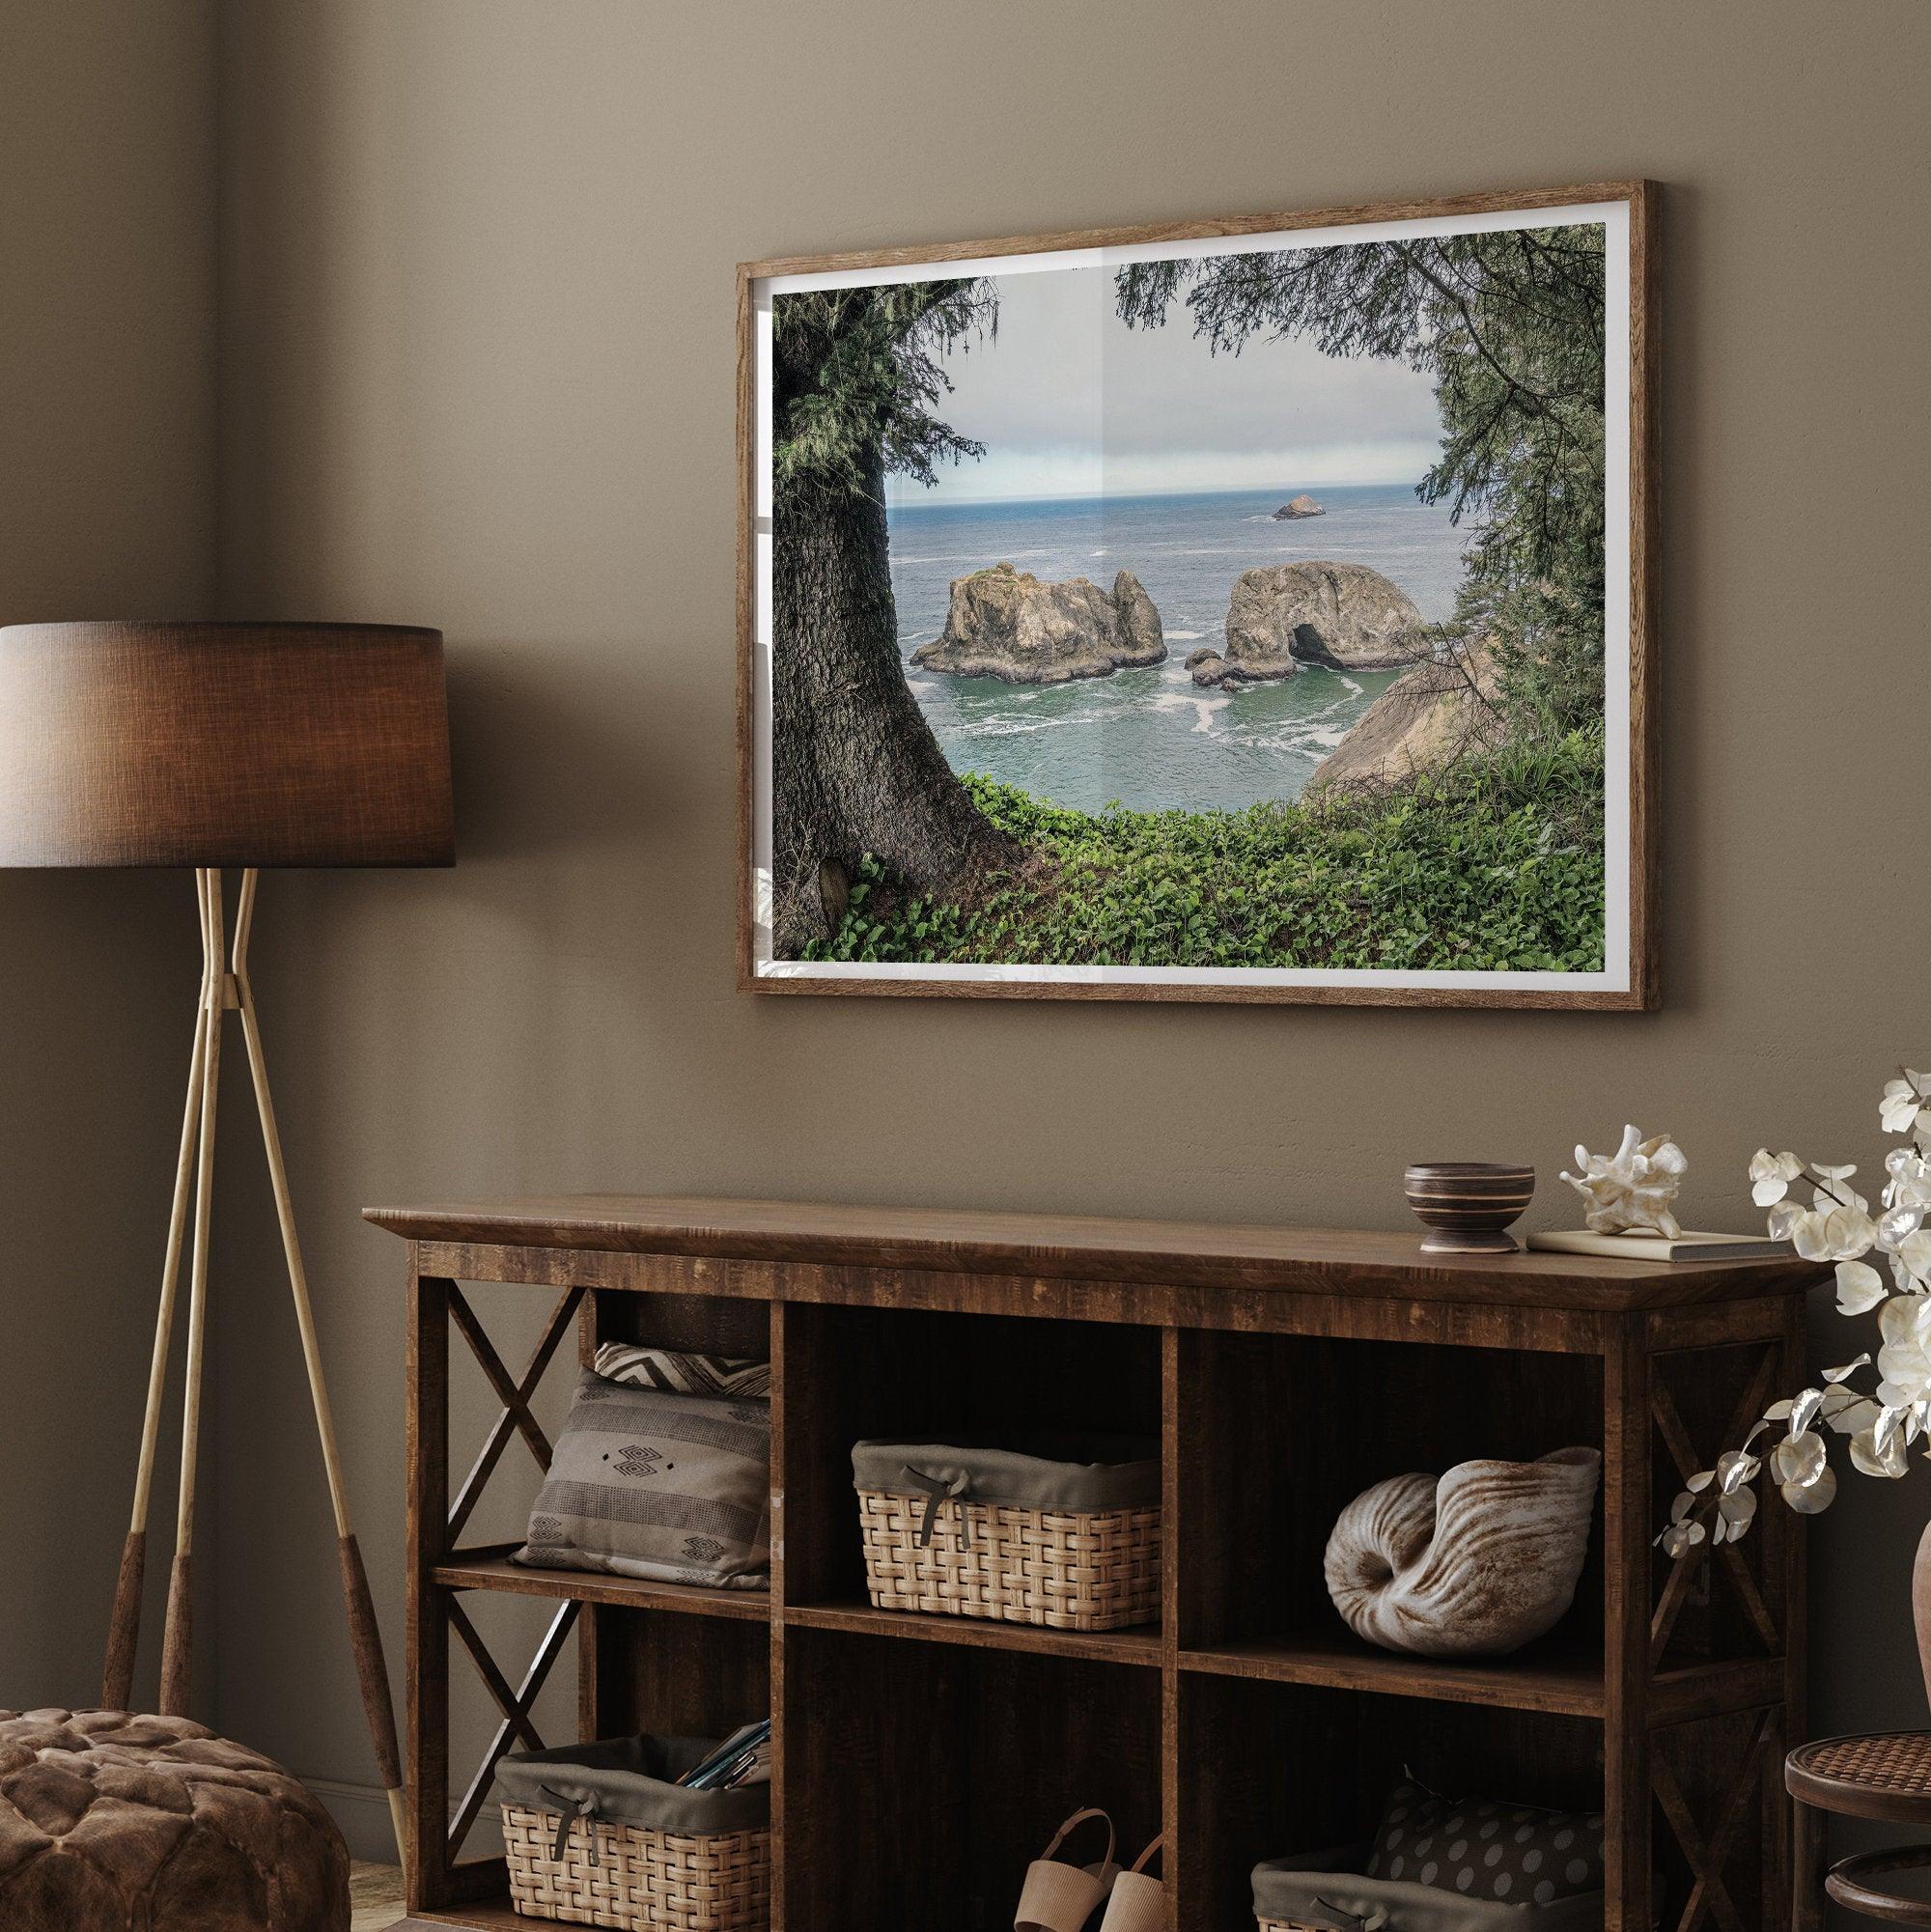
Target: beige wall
475, 323
106, 508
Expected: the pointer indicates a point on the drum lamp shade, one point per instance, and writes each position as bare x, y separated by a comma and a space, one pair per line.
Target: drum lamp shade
218, 744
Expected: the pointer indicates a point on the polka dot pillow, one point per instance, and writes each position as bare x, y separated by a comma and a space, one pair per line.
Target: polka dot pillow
1509, 1852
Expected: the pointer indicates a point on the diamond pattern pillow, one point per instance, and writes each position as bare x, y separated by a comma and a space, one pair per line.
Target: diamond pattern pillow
671, 1488
1489, 1850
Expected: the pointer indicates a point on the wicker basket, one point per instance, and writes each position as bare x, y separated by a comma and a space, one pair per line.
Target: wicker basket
642, 1881
1067, 1570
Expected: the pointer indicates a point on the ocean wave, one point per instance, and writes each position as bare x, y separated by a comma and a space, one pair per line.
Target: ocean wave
1183, 637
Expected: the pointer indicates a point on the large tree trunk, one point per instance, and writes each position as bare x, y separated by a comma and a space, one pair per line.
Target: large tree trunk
854, 765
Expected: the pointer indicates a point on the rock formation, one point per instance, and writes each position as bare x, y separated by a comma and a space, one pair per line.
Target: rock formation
1426, 720
1299, 507
1344, 616
1004, 623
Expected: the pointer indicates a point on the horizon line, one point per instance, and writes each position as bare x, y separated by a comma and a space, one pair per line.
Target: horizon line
1101, 496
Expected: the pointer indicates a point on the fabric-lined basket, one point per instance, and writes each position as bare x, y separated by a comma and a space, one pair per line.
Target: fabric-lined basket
602, 1835
1328, 1892
1062, 1531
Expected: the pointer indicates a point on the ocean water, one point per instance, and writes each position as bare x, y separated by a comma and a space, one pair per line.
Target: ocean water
1151, 738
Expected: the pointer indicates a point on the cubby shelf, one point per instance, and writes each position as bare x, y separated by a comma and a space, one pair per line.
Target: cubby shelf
492, 1569
1563, 1678
920, 1761
1140, 1646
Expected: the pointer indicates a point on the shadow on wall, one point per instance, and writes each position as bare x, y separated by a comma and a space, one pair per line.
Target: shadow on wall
95, 1039
557, 754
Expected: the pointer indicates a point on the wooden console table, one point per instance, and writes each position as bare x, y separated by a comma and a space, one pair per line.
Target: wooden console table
921, 1760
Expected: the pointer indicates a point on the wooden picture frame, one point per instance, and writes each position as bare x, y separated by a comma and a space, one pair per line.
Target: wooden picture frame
1629, 978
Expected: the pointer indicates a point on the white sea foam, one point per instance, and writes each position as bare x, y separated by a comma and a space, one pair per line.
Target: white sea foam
1183, 637
977, 558
1015, 727
1202, 708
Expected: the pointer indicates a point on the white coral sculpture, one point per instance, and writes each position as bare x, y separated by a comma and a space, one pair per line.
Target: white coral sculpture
1632, 1187
1881, 1424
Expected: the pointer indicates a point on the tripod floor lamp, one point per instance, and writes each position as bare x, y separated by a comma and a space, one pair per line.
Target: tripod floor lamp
211, 745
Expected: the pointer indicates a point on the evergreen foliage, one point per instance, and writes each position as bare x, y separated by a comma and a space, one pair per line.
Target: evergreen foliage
858, 371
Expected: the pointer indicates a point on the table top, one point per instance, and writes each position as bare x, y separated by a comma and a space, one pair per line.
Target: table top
1087, 1248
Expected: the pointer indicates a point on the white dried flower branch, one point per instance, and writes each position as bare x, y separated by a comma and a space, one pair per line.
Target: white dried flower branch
1884, 1423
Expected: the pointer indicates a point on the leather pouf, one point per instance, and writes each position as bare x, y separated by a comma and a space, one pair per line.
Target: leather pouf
115, 1823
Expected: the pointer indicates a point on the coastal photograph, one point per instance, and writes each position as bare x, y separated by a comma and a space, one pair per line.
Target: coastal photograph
1240, 614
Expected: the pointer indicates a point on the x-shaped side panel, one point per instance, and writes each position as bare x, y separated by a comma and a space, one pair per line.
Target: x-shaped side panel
515, 1417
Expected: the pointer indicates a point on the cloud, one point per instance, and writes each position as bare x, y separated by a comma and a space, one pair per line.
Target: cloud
1069, 400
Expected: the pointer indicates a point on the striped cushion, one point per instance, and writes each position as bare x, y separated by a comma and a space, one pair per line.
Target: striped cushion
685, 1374
662, 1486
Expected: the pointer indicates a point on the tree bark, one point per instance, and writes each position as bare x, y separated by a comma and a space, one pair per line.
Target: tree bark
854, 765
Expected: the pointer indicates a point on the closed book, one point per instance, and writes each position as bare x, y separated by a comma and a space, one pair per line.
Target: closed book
1689, 1245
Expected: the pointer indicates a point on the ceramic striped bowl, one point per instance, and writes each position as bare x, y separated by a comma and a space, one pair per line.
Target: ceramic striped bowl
1468, 1206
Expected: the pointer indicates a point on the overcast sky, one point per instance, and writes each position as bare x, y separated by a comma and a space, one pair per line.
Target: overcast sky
1070, 402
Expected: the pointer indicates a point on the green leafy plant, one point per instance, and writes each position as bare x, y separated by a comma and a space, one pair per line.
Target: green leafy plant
1494, 866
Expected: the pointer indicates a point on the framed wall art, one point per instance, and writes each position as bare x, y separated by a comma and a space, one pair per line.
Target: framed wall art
1259, 609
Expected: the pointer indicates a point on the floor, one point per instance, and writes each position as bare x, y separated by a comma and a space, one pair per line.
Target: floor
374, 1897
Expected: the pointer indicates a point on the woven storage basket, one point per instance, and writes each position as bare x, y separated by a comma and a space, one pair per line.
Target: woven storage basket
604, 1834
643, 1881
1001, 1533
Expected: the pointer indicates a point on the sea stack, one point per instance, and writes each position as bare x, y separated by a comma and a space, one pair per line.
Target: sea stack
1005, 622
1343, 617
1297, 508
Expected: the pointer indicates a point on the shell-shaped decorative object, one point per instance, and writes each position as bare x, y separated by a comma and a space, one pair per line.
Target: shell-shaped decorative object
1632, 1187
1478, 1563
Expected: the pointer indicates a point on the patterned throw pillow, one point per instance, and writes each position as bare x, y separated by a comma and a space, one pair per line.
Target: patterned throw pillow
669, 1488
686, 1374
1489, 1850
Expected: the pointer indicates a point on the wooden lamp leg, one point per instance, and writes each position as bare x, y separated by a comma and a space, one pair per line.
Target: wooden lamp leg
124, 1632
365, 1635
177, 1641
